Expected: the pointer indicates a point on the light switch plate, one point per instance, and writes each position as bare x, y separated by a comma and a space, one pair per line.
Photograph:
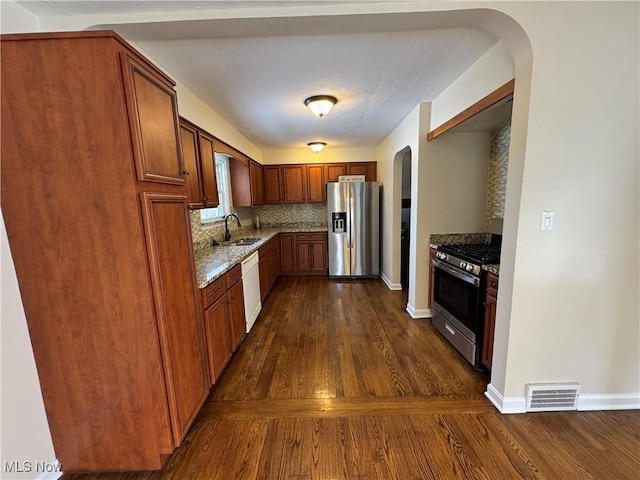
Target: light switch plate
546, 220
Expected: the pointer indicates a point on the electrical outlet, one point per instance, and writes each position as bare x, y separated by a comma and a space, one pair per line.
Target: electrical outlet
546, 220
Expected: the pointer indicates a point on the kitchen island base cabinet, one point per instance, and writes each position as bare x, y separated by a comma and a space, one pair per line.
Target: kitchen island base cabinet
91, 166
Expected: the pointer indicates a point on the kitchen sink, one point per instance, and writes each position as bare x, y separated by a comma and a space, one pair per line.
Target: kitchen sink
246, 241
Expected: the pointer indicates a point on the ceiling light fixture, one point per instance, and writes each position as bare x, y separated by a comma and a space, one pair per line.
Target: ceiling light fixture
320, 104
316, 146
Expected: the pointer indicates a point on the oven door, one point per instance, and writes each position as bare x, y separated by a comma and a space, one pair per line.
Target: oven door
459, 294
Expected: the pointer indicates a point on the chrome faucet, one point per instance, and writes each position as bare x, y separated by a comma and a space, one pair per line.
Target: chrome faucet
227, 233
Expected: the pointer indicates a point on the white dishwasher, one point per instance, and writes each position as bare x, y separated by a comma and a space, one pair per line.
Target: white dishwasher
251, 287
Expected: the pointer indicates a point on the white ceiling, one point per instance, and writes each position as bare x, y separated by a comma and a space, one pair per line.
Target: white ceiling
257, 74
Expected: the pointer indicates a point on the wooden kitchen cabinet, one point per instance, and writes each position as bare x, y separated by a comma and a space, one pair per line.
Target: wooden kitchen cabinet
288, 262
152, 107
235, 299
294, 183
257, 183
110, 297
491, 301
273, 191
200, 166
218, 337
368, 169
334, 170
432, 275
303, 253
269, 266
208, 162
225, 321
316, 184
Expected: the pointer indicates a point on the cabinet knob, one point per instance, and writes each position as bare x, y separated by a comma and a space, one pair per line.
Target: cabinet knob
494, 284
185, 172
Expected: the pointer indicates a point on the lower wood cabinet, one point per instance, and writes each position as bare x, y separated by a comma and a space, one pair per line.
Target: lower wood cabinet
224, 319
432, 275
303, 253
491, 301
269, 266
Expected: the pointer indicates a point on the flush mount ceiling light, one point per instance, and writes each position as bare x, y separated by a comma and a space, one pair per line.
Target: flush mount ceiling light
320, 104
316, 146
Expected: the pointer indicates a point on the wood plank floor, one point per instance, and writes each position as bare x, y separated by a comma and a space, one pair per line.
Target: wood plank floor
336, 381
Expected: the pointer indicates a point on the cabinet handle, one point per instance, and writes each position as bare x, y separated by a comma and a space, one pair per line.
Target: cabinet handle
185, 172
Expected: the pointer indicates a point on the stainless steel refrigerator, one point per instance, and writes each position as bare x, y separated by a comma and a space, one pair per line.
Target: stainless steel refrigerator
352, 219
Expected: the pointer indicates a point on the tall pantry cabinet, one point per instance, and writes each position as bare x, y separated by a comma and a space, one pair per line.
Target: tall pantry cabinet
95, 204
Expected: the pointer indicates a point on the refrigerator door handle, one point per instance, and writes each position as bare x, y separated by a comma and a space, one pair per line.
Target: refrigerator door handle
349, 222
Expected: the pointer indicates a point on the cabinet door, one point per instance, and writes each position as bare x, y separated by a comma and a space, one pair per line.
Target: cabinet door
432, 275
287, 254
318, 251
489, 330
237, 321
368, 169
293, 179
316, 185
272, 184
153, 121
218, 337
189, 140
240, 182
263, 268
208, 161
304, 256
170, 252
257, 183
334, 170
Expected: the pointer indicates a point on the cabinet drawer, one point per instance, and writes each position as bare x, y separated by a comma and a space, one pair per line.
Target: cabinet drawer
234, 275
311, 236
492, 284
213, 291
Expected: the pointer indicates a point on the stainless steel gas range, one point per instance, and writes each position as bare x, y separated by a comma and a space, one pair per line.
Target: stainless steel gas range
458, 295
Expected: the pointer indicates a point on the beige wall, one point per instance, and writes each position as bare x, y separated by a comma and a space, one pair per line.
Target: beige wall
328, 155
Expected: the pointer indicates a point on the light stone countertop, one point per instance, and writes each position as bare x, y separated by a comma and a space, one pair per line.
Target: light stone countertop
213, 262
493, 268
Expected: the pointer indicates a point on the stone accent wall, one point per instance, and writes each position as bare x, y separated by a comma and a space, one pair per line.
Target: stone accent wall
497, 171
313, 214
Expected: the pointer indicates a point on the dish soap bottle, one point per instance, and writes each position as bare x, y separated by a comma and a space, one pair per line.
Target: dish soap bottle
257, 221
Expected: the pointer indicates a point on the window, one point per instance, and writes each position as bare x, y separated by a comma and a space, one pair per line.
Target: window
208, 215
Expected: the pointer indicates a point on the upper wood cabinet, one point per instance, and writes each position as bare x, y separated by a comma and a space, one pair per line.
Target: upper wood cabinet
294, 183
153, 118
256, 174
200, 165
316, 184
111, 312
208, 160
273, 184
334, 170
189, 140
368, 169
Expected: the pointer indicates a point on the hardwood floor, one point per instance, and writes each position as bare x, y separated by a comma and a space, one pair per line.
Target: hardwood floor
336, 381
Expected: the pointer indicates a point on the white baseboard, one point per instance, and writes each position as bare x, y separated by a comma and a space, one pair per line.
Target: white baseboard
623, 401
389, 283
505, 405
418, 313
53, 475
586, 402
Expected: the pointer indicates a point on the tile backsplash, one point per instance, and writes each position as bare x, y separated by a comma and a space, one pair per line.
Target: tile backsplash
497, 172
270, 216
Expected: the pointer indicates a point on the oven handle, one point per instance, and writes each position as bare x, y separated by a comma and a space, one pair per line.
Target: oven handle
475, 281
